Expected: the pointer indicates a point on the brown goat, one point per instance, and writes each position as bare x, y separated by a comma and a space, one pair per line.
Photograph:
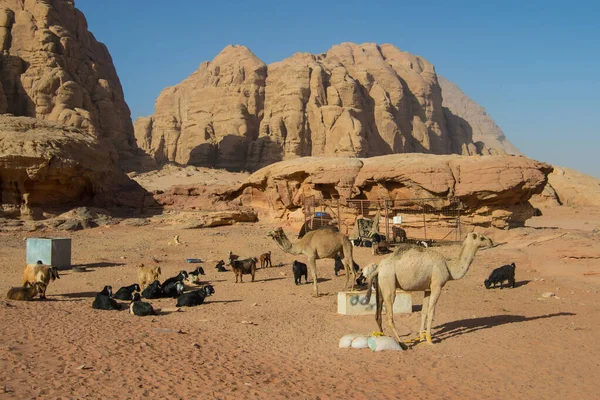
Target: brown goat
26, 293
244, 267
147, 275
39, 273
265, 260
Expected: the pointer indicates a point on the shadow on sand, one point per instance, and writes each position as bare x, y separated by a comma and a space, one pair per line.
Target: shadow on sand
97, 265
269, 279
465, 326
221, 301
79, 294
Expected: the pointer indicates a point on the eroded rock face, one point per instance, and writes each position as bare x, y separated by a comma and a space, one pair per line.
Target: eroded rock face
47, 165
209, 118
571, 188
52, 68
469, 120
353, 101
498, 187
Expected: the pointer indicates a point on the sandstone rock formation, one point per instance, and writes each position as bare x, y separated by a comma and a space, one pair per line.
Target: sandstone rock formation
355, 100
493, 189
45, 165
571, 188
209, 118
52, 68
468, 119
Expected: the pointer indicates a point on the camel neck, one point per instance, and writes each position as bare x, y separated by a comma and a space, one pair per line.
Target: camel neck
458, 269
286, 245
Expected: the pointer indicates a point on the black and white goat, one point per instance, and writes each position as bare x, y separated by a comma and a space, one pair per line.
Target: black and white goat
299, 269
196, 297
139, 307
173, 289
339, 265
104, 300
126, 292
501, 274
181, 276
425, 243
194, 276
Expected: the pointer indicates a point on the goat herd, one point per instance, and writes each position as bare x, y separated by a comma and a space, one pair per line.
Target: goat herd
37, 277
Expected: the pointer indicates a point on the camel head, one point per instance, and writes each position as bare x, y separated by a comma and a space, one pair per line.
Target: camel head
478, 240
277, 234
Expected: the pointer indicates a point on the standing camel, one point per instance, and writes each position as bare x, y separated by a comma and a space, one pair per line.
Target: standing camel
415, 268
321, 243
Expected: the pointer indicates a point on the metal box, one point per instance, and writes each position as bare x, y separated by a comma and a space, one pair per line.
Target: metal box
50, 251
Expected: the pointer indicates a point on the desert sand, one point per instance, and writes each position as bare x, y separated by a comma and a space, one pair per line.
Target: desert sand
272, 339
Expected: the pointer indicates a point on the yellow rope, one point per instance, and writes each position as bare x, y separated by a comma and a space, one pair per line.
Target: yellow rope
377, 334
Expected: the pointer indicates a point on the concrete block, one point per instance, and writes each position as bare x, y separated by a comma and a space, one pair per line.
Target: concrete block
354, 303
50, 251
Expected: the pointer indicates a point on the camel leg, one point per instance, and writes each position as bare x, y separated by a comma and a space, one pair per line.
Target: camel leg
379, 301
312, 264
424, 310
349, 268
388, 293
435, 295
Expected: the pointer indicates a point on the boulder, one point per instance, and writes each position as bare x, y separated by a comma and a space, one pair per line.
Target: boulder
571, 188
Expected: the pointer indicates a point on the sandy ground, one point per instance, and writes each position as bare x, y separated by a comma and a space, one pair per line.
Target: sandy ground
509, 343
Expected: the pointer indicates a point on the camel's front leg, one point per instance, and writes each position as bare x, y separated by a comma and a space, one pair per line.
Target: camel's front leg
424, 310
435, 295
388, 292
312, 264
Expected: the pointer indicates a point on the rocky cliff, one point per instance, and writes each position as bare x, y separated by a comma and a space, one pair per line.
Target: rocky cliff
354, 100
48, 166
52, 68
492, 189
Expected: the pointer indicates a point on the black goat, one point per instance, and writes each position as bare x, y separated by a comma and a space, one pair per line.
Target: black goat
244, 267
126, 292
153, 291
104, 300
173, 289
501, 274
181, 276
299, 269
196, 297
339, 265
140, 308
221, 266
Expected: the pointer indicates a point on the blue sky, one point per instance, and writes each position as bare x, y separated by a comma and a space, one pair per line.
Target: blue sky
532, 64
